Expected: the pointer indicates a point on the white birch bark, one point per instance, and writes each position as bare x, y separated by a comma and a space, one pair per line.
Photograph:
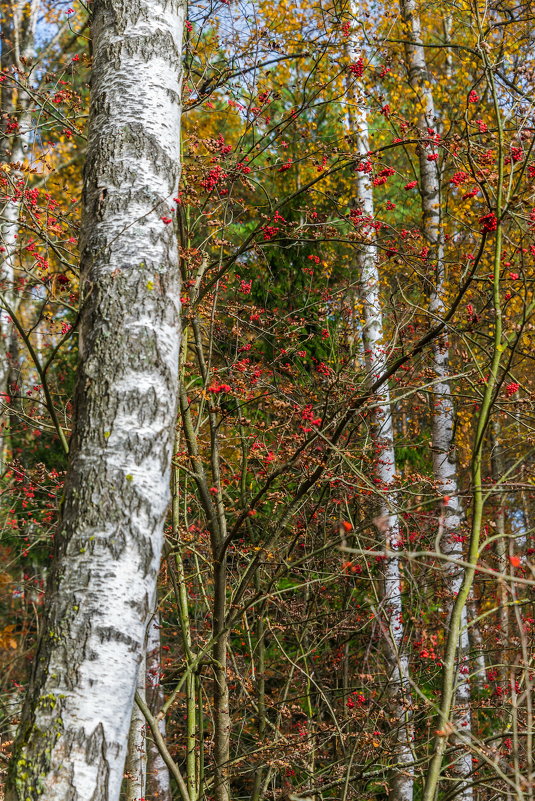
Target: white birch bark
158, 779
444, 461
401, 781
136, 756
18, 35
18, 39
374, 348
72, 740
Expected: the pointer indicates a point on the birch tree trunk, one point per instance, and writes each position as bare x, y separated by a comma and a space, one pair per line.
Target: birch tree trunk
136, 756
401, 788
18, 38
73, 734
444, 461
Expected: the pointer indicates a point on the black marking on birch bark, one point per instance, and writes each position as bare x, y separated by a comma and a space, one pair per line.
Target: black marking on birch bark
107, 550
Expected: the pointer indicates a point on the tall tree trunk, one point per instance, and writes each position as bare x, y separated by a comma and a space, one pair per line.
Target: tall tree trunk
375, 357
444, 461
73, 735
445, 472
158, 779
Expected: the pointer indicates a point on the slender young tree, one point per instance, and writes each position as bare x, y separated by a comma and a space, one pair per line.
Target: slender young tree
375, 354
73, 735
443, 413
18, 23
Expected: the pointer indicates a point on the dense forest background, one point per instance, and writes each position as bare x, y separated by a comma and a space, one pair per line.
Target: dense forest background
345, 601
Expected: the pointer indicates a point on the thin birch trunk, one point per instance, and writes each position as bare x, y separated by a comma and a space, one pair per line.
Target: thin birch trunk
401, 788
158, 779
74, 729
445, 472
444, 461
136, 758
18, 38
